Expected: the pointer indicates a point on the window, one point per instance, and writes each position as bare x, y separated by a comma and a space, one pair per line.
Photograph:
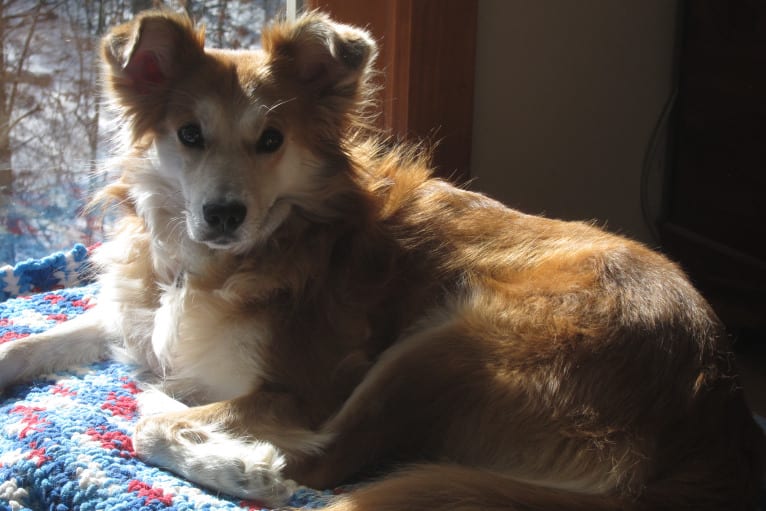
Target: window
52, 123
427, 55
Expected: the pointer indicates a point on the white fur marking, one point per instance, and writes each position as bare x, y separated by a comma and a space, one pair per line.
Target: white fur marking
153, 401
212, 458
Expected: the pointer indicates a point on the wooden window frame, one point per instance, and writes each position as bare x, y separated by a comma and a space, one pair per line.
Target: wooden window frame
427, 56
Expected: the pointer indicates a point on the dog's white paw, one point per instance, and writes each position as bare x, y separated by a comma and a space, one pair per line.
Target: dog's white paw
215, 459
152, 401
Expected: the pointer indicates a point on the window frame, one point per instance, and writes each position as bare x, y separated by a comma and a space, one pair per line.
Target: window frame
427, 55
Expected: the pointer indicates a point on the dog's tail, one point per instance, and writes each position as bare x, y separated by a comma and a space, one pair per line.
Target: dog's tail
459, 488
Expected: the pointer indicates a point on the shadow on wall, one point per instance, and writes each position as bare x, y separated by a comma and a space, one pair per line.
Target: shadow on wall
567, 97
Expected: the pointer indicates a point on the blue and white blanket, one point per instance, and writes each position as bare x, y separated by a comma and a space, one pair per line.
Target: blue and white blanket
65, 438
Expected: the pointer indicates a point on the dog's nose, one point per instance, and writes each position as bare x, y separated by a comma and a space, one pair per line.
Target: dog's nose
226, 217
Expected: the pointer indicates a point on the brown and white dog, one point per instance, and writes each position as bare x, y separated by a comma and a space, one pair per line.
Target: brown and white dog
330, 311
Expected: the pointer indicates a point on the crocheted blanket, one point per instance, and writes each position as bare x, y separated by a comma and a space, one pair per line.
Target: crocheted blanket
65, 438
56, 271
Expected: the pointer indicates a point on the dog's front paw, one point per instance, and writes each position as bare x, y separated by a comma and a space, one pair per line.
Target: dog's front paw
215, 459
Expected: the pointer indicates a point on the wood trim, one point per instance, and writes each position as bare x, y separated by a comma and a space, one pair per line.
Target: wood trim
427, 56
397, 45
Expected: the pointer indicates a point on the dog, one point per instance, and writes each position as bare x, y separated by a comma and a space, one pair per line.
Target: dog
327, 311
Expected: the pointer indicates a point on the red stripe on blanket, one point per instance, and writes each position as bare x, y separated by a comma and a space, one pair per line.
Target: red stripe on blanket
30, 420
11, 336
150, 492
121, 406
113, 441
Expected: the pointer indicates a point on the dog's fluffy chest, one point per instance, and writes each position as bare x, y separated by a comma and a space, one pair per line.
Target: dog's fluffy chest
204, 351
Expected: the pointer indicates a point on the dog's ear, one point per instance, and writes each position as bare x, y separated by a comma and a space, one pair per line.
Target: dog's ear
144, 57
321, 56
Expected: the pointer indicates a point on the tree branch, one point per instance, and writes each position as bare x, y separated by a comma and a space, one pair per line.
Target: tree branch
23, 56
23, 116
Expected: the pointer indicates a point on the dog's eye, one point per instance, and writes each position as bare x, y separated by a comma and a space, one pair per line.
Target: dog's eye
270, 141
190, 135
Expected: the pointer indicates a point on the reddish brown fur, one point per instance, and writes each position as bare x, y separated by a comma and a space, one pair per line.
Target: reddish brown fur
418, 322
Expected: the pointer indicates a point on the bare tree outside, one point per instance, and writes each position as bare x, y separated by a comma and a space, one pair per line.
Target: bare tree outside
52, 122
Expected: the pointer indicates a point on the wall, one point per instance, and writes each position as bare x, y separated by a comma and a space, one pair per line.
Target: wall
567, 96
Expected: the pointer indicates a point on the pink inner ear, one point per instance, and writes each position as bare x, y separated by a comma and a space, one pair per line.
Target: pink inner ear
144, 69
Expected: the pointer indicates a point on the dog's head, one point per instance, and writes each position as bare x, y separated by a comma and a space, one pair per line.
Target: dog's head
240, 138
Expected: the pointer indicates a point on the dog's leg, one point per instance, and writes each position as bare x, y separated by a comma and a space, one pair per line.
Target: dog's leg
215, 445
416, 390
410, 395
223, 446
81, 340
